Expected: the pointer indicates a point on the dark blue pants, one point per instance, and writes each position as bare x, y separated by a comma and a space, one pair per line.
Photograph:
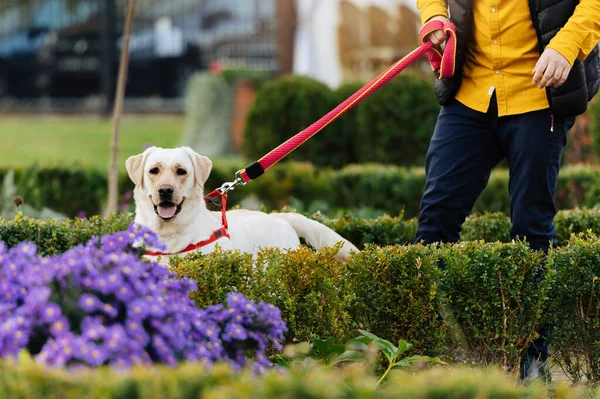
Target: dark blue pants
465, 146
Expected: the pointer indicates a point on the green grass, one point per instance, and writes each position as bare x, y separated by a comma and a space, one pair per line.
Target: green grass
81, 140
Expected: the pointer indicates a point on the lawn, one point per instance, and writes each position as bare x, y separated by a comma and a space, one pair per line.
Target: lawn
81, 140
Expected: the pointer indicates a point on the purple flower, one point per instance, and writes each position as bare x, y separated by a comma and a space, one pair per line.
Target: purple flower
89, 303
51, 313
59, 326
102, 304
235, 331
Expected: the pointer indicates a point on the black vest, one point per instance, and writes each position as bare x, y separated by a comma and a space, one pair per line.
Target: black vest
548, 16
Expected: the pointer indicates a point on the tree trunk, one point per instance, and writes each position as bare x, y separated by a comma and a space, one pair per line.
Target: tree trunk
286, 22
113, 173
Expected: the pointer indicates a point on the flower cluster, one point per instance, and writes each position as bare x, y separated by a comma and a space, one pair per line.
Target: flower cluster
247, 328
101, 304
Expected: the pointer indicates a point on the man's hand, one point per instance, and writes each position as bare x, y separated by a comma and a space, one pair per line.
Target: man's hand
551, 70
437, 37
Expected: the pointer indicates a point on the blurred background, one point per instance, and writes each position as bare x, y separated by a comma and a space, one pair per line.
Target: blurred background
232, 79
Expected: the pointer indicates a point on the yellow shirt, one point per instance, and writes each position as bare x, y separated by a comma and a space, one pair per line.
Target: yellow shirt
503, 51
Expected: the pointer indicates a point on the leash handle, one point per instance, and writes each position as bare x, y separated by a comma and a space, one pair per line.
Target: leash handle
442, 64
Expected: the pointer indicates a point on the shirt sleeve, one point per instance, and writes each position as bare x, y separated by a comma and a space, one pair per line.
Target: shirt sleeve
580, 34
432, 8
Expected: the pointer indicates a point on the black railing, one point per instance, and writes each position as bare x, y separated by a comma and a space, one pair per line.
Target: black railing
59, 51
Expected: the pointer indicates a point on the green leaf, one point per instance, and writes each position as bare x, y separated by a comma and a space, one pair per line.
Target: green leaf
360, 341
413, 359
367, 334
389, 350
348, 356
403, 346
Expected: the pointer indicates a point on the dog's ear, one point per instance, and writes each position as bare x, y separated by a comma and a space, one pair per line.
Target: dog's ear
135, 166
202, 166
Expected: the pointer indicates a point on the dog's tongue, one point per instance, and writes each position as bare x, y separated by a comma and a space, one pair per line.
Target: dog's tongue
165, 211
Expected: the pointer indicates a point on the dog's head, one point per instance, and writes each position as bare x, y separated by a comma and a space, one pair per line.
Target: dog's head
167, 179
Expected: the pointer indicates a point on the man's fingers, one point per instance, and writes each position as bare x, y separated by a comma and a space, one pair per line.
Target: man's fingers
548, 76
540, 67
437, 37
563, 78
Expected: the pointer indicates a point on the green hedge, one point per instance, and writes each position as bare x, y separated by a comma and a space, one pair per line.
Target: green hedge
486, 290
25, 381
494, 293
396, 295
575, 302
314, 301
495, 296
390, 189
53, 237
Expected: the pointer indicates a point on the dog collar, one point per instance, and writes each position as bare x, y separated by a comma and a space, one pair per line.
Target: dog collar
216, 235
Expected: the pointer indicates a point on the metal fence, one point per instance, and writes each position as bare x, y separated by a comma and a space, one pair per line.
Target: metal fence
64, 53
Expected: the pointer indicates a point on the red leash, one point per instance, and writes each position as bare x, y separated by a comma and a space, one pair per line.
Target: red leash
442, 65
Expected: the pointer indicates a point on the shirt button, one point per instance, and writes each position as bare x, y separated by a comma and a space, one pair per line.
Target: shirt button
493, 9
495, 41
497, 72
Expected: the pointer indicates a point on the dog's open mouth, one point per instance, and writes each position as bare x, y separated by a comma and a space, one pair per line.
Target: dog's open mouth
167, 210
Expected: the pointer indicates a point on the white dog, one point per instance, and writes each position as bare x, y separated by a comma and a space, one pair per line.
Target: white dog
169, 200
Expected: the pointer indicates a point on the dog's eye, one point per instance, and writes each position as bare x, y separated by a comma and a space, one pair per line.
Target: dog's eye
154, 171
181, 172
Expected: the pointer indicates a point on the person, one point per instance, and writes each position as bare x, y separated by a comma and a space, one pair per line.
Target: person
524, 71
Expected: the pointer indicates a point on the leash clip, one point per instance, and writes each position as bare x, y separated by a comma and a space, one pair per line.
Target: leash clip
230, 186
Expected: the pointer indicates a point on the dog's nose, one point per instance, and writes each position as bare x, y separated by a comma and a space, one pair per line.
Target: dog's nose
165, 191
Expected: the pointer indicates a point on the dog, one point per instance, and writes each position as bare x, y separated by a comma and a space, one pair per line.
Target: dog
169, 200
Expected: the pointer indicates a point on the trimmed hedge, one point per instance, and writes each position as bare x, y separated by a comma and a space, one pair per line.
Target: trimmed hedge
575, 302
191, 381
495, 295
390, 189
314, 301
396, 295
53, 237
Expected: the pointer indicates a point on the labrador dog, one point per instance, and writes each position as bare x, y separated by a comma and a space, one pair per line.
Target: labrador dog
169, 200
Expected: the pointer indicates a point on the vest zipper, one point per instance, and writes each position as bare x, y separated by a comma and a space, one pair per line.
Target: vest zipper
533, 9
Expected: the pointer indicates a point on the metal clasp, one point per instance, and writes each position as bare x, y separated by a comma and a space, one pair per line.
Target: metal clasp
229, 186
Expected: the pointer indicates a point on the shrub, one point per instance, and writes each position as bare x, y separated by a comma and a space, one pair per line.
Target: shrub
594, 113
384, 230
351, 126
52, 237
382, 188
575, 300
497, 294
307, 286
394, 189
27, 380
100, 304
575, 221
396, 294
399, 120
489, 227
287, 106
